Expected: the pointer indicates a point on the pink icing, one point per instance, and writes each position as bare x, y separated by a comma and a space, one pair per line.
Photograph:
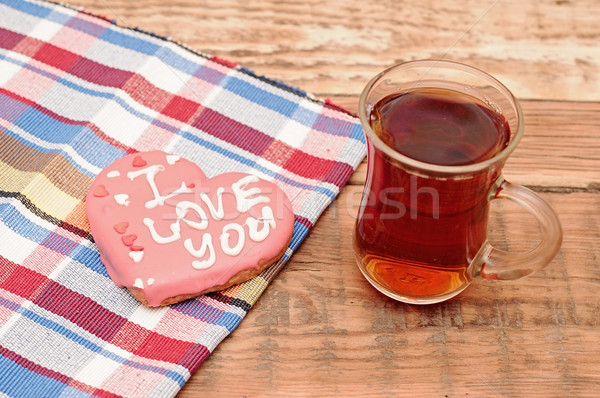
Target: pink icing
189, 233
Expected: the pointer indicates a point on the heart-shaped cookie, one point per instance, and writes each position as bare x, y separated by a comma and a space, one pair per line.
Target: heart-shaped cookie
167, 233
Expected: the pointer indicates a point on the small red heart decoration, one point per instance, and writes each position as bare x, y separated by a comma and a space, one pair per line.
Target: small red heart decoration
100, 191
121, 227
168, 233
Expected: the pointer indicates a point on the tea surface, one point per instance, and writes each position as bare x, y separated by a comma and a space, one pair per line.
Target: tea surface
440, 126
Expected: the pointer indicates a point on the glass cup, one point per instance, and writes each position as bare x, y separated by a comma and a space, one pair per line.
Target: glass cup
421, 233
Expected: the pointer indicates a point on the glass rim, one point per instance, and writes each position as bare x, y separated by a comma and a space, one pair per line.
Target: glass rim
431, 167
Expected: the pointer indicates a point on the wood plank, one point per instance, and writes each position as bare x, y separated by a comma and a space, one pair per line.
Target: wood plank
539, 49
322, 330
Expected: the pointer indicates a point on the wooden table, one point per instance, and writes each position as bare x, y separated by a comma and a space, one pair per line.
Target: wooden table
320, 329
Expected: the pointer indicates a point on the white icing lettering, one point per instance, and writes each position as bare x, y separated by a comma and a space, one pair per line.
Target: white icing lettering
243, 196
268, 222
182, 208
113, 174
175, 229
138, 283
150, 281
161, 200
246, 198
172, 159
150, 173
206, 245
122, 199
217, 213
136, 256
224, 238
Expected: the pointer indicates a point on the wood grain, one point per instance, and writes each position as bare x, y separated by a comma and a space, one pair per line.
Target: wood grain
539, 49
320, 329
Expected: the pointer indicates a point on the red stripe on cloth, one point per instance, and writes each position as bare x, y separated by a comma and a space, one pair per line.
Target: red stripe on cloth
56, 57
82, 67
7, 267
194, 357
162, 348
22, 281
278, 153
97, 73
29, 46
339, 174
99, 133
81, 310
104, 394
223, 62
9, 39
232, 131
310, 166
147, 94
303, 220
180, 108
130, 336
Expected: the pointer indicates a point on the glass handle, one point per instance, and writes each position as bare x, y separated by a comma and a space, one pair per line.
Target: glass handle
499, 264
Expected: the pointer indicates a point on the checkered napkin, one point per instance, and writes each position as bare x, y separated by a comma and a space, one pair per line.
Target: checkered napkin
78, 92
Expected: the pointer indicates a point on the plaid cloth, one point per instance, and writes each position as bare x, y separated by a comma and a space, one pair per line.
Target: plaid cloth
78, 92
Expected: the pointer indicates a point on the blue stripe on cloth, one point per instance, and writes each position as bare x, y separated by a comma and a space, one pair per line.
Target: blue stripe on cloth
262, 97
37, 10
199, 310
89, 258
81, 138
85, 342
291, 109
20, 224
205, 312
229, 320
177, 61
130, 42
36, 385
357, 133
11, 109
300, 232
88, 27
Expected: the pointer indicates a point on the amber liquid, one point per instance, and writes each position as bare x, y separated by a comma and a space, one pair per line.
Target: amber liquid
416, 236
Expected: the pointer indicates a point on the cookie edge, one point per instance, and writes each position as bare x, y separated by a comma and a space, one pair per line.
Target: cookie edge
238, 278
